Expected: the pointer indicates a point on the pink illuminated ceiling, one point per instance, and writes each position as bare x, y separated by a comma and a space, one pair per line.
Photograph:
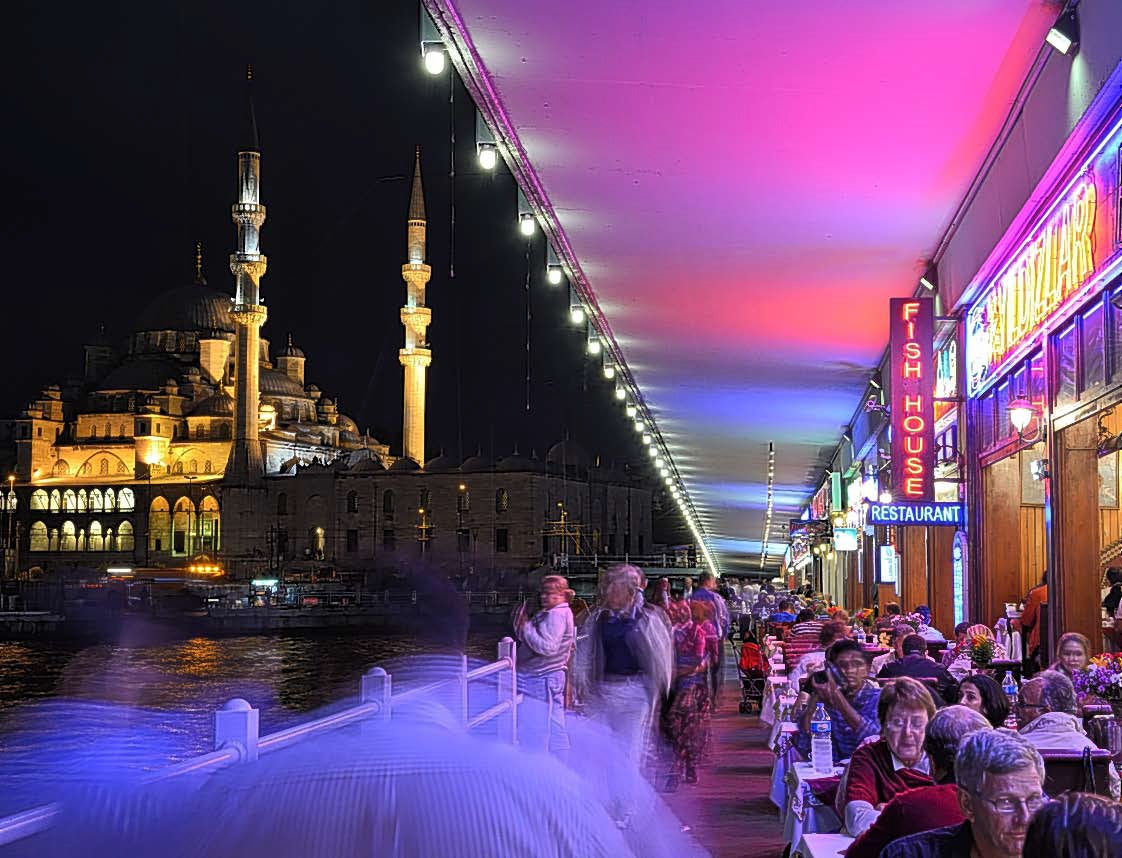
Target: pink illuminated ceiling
744, 185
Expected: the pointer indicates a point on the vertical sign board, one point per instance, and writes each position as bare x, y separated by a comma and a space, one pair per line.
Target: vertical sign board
911, 366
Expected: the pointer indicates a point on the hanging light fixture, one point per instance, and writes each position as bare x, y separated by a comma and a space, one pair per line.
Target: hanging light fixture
432, 46
609, 370
631, 410
576, 308
621, 392
1064, 34
554, 271
526, 222
486, 149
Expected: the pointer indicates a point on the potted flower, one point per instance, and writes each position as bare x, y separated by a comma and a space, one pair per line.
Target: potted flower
981, 652
1102, 678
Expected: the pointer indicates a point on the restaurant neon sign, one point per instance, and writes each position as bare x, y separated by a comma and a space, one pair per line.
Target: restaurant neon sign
1050, 267
911, 326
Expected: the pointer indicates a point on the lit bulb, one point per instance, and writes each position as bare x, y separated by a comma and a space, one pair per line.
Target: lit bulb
577, 315
632, 410
434, 58
646, 438
639, 427
609, 371
886, 497
526, 224
653, 450
554, 275
668, 481
621, 394
658, 461
664, 471
488, 156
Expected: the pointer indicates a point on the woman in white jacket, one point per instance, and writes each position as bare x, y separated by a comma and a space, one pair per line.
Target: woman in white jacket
547, 641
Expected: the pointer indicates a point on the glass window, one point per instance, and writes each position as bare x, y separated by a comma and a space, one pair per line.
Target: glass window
502, 540
352, 502
387, 504
352, 541
985, 420
1001, 412
502, 500
1094, 348
1065, 361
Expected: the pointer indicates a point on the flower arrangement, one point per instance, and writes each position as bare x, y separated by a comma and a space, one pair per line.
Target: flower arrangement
864, 617
1102, 678
916, 621
981, 651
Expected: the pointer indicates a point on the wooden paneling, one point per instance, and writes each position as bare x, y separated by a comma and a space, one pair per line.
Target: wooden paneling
1000, 577
940, 584
913, 566
1075, 604
1034, 547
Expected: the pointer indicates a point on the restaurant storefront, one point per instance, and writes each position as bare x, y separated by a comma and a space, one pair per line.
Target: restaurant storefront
1043, 380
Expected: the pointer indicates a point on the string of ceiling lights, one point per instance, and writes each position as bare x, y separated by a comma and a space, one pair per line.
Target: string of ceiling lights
496, 139
770, 501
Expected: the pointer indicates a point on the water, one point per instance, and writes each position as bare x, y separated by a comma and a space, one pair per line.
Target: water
821, 746
67, 708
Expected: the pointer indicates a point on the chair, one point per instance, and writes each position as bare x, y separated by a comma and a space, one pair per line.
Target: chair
1085, 770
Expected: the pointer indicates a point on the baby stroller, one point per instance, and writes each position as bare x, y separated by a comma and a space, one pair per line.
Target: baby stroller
752, 669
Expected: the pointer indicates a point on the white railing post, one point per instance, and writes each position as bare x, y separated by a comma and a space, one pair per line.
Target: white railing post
508, 692
464, 691
237, 723
414, 597
377, 687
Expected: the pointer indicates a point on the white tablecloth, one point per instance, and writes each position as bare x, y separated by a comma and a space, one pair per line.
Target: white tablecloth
785, 757
821, 845
775, 684
805, 814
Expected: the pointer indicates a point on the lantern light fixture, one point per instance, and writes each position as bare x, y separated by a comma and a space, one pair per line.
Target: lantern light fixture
639, 426
631, 410
554, 271
526, 221
1021, 414
432, 46
621, 392
609, 370
576, 308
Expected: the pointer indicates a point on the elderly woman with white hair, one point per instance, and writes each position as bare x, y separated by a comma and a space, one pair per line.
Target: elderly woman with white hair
623, 663
547, 641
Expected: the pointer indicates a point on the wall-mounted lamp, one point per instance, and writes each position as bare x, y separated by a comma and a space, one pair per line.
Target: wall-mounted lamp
432, 46
1021, 414
1064, 35
576, 308
930, 278
593, 341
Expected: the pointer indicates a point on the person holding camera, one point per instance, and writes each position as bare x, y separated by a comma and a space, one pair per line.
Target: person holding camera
848, 696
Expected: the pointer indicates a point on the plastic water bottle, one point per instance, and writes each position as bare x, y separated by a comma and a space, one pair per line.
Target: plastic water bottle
821, 745
1009, 686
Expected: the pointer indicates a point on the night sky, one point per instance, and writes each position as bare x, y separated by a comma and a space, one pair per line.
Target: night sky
121, 123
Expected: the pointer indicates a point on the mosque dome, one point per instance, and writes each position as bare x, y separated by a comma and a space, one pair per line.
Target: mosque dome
405, 464
371, 463
219, 405
274, 383
289, 350
442, 464
517, 462
150, 374
476, 463
346, 424
567, 454
194, 307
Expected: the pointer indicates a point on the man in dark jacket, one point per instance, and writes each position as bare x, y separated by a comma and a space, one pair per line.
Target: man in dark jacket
917, 665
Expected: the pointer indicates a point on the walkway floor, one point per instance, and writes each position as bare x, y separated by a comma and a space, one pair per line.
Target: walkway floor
729, 811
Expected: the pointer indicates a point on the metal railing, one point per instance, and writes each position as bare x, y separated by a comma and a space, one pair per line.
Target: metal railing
237, 740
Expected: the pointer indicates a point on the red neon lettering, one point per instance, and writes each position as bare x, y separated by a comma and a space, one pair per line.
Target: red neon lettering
912, 350
914, 466
913, 486
913, 444
914, 423
913, 403
912, 370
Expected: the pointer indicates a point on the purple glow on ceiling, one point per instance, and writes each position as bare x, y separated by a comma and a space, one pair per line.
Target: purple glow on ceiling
745, 186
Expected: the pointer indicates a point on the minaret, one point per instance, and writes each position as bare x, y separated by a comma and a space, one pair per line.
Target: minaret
248, 266
415, 316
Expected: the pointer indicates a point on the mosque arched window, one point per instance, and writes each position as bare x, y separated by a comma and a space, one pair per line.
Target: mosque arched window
39, 540
96, 540
209, 521
208, 467
69, 501
502, 500
352, 502
126, 500
183, 527
56, 500
194, 467
224, 432
108, 429
126, 541
110, 500
159, 525
282, 504
61, 468
69, 541
388, 504
39, 500
81, 500
103, 468
178, 468
53, 544
97, 501
93, 430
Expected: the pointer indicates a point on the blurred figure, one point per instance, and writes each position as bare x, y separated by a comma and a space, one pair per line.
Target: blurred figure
1000, 782
960, 644
623, 665
982, 694
924, 808
719, 617
1073, 654
1075, 825
685, 721
548, 639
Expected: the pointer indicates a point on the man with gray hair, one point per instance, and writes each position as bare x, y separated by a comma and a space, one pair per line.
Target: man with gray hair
1000, 784
928, 807
1047, 716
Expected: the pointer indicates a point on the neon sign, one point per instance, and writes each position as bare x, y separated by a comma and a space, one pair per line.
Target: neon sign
1049, 267
911, 364
921, 514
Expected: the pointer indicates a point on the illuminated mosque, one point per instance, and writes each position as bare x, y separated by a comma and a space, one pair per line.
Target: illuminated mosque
195, 443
